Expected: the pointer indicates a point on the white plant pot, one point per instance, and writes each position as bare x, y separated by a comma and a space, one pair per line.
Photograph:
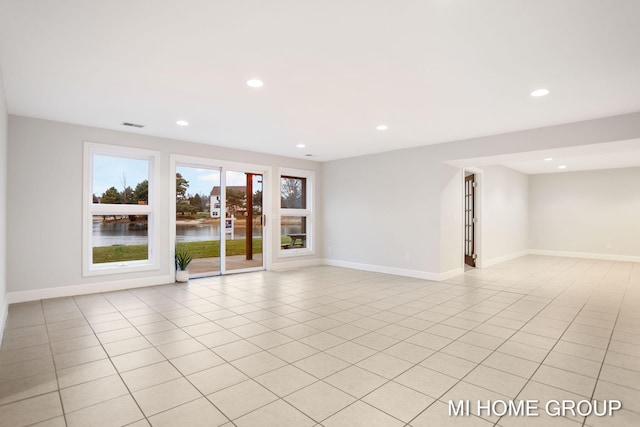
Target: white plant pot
182, 276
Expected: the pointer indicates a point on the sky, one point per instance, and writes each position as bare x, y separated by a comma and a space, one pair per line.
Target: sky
108, 171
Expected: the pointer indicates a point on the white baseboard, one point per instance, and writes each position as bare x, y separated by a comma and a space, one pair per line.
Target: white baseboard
89, 288
290, 265
498, 260
426, 275
451, 273
586, 255
4, 311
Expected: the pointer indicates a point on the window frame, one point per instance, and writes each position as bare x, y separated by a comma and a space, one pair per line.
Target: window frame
308, 212
90, 209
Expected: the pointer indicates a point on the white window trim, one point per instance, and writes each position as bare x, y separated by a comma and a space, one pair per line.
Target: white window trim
309, 212
90, 209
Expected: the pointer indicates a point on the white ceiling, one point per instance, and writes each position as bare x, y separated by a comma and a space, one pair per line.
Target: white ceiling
434, 71
610, 155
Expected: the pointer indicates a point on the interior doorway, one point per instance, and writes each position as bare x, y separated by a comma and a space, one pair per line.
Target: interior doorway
470, 219
219, 216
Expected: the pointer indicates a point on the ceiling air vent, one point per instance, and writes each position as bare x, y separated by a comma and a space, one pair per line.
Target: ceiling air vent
133, 125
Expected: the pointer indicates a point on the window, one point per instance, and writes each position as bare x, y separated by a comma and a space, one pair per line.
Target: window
119, 215
296, 213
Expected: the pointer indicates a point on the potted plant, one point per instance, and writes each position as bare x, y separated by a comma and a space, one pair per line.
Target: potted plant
183, 258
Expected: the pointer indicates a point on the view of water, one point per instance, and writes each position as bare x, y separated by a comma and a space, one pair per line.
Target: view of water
114, 233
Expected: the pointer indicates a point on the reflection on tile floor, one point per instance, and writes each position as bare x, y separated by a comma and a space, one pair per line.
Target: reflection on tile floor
330, 346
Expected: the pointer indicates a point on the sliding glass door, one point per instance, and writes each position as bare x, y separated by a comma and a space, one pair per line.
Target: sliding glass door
198, 219
219, 218
243, 221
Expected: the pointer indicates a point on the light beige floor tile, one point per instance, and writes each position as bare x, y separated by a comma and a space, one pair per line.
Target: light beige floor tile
166, 337
571, 363
126, 346
8, 357
482, 340
276, 414
428, 340
322, 341
355, 381
629, 397
623, 361
466, 351
426, 381
78, 357
92, 392
30, 411
202, 329
195, 362
120, 411
258, 364
241, 398
438, 415
236, 350
399, 401
307, 401
523, 351
216, 339
361, 415
620, 376
14, 371
213, 379
137, 359
165, 396
150, 375
580, 350
321, 365
621, 418
285, 380
198, 413
23, 388
385, 365
498, 381
72, 344
376, 341
512, 364
69, 333
351, 352
446, 331
409, 352
293, 351
270, 340
51, 422
87, 372
180, 348
448, 364
565, 380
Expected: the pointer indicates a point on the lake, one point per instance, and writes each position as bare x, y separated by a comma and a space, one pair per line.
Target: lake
124, 233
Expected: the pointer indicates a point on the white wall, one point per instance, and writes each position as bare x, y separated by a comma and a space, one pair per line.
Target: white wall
505, 214
583, 212
45, 203
3, 206
420, 213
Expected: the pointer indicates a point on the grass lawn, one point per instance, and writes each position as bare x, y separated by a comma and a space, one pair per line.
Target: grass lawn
206, 249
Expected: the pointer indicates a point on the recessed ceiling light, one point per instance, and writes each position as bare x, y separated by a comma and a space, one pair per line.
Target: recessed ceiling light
548, 159
182, 123
255, 83
540, 92
562, 167
300, 145
382, 127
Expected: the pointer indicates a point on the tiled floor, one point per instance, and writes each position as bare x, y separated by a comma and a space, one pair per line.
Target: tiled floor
330, 346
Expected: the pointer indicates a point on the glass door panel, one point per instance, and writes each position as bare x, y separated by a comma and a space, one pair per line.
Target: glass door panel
243, 221
198, 217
